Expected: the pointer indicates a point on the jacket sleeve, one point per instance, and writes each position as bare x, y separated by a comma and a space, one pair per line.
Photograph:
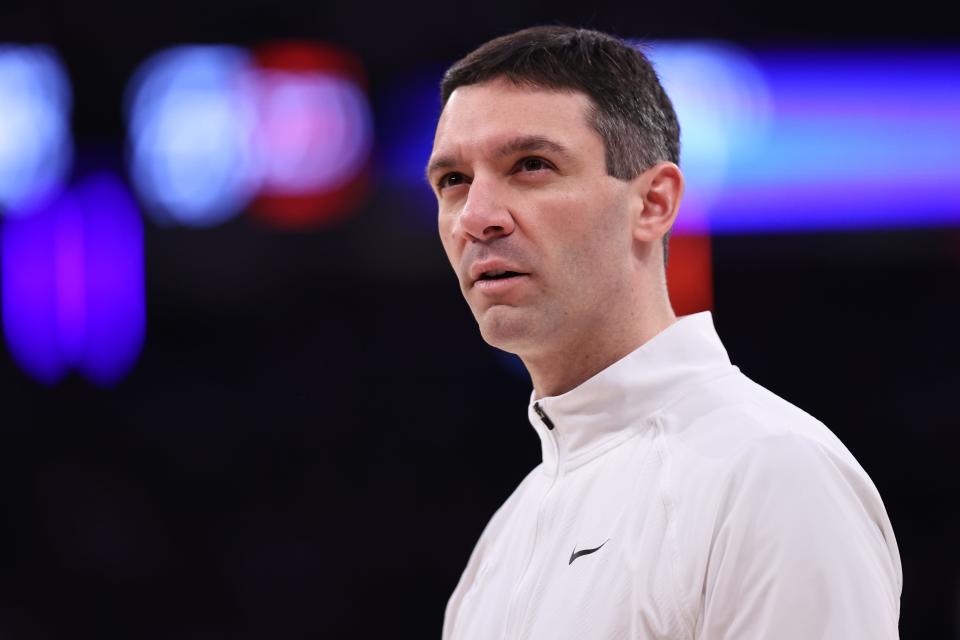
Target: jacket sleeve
802, 549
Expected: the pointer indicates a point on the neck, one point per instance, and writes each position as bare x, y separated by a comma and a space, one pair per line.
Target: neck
577, 360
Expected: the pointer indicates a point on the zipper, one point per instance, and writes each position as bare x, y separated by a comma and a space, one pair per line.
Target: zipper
543, 415
520, 601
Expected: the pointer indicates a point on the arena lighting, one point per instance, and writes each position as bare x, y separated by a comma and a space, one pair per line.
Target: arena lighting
790, 140
214, 130
690, 273
36, 148
73, 284
191, 127
314, 133
824, 140
723, 103
407, 116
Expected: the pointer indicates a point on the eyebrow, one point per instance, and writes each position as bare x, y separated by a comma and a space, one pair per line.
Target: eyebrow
520, 144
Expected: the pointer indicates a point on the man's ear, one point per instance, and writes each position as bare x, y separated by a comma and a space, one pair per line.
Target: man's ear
657, 194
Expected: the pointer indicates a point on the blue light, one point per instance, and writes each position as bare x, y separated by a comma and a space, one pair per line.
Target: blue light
73, 284
191, 127
410, 108
819, 140
723, 104
36, 148
407, 116
114, 288
777, 141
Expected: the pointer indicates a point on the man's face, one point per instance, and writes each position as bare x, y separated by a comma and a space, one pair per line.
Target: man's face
537, 232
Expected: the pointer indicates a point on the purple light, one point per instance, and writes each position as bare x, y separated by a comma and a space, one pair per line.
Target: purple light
73, 284
315, 131
30, 306
115, 292
70, 275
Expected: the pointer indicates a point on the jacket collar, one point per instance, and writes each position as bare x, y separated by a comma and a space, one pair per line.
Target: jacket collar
622, 399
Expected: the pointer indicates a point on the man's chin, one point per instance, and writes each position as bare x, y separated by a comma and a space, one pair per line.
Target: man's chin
506, 327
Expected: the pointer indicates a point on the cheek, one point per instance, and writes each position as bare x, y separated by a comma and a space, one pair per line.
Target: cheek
590, 237
451, 247
580, 221
443, 225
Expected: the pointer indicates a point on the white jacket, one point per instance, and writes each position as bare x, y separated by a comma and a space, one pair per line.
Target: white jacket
679, 499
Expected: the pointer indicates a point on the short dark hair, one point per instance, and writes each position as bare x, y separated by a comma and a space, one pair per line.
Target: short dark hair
631, 111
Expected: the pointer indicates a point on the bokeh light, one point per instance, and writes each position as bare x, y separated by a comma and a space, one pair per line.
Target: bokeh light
314, 133
36, 147
815, 140
191, 134
690, 273
73, 284
407, 114
723, 105
214, 131
32, 291
783, 140
857, 140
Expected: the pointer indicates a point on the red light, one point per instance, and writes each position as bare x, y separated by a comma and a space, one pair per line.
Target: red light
690, 273
315, 130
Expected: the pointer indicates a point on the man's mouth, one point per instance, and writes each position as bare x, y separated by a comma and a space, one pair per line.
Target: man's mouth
499, 274
498, 281
494, 275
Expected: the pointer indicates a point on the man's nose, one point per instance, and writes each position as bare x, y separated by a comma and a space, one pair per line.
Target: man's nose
485, 215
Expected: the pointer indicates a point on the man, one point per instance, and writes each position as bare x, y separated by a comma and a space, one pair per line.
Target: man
676, 498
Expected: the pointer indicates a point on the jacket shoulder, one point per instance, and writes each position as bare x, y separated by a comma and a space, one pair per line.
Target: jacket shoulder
747, 470
731, 416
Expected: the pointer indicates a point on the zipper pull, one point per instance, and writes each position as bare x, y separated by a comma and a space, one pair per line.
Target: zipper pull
543, 415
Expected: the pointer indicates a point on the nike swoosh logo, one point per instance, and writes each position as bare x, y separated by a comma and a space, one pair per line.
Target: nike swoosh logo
576, 554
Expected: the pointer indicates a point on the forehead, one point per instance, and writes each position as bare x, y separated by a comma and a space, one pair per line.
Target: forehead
482, 117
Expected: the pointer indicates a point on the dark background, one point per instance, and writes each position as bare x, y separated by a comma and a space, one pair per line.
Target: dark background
315, 434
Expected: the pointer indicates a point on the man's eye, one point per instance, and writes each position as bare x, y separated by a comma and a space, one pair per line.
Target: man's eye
451, 180
533, 164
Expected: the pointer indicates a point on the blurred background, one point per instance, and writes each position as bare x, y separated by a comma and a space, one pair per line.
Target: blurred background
240, 394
